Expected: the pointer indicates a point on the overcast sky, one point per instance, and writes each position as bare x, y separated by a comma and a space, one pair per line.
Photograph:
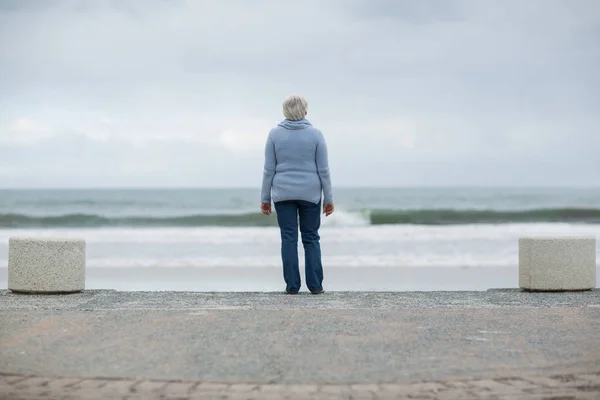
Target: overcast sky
408, 93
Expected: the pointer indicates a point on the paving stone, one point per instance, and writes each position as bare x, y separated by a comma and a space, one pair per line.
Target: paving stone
544, 381
576, 381
362, 395
588, 396
595, 377
432, 387
586, 380
455, 395
29, 382
299, 392
329, 396
149, 387
242, 388
264, 395
242, 396
267, 389
581, 386
304, 389
335, 389
62, 385
493, 386
520, 384
14, 379
210, 387
177, 389
90, 384
125, 387
364, 388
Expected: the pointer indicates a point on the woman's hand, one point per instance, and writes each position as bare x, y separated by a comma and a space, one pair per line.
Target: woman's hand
265, 208
327, 209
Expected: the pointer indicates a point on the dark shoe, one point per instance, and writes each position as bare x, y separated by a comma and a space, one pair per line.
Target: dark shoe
317, 291
288, 292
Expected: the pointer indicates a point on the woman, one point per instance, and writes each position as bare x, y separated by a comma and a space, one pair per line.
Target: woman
296, 174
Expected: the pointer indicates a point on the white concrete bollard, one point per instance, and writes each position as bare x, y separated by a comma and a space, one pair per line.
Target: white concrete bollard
557, 263
46, 264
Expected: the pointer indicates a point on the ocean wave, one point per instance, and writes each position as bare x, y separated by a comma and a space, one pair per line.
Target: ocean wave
93, 220
456, 217
340, 218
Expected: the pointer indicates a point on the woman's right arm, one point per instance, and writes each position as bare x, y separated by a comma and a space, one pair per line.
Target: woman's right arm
322, 159
269, 171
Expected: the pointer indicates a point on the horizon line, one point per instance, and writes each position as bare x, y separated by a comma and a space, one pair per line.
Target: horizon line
342, 187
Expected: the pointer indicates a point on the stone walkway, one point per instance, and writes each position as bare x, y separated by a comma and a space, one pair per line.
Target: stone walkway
555, 387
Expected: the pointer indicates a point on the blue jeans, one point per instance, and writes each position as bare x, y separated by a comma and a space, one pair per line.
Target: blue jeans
309, 215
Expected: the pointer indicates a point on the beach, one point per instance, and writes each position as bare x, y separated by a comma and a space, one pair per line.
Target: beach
391, 258
377, 240
252, 279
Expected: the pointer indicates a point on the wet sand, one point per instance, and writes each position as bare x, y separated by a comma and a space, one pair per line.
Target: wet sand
268, 279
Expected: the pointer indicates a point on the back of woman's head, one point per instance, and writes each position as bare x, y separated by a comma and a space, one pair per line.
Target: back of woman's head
295, 108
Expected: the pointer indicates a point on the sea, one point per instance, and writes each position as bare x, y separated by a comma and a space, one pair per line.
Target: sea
377, 239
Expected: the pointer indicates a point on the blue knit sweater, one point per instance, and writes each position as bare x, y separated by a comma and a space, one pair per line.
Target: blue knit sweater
296, 164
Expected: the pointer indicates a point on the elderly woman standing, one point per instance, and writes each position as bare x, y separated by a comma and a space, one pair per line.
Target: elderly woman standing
296, 175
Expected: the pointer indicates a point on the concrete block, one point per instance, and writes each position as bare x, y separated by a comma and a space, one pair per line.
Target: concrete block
557, 263
46, 264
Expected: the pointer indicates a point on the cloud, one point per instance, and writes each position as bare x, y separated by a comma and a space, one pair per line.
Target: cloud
432, 87
246, 140
24, 131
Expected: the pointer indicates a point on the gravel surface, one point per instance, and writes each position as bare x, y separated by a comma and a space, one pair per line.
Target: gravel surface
336, 338
113, 300
497, 344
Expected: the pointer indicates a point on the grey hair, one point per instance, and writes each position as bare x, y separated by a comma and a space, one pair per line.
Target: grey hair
294, 107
